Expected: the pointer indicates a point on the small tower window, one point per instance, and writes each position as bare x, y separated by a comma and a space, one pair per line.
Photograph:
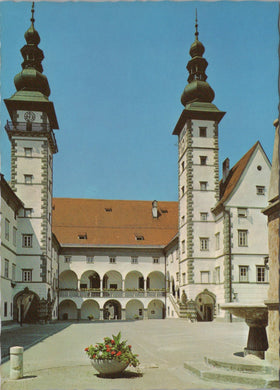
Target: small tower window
28, 179
203, 186
139, 237
203, 160
28, 152
82, 236
202, 132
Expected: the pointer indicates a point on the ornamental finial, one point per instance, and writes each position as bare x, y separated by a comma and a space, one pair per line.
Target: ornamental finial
32, 11
196, 25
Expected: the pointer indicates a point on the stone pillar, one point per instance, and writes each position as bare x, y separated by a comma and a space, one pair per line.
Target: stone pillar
79, 284
123, 314
78, 314
145, 314
101, 287
123, 288
16, 362
101, 314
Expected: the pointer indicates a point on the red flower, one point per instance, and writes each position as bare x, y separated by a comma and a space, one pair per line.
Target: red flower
86, 349
113, 352
112, 341
93, 356
129, 346
107, 346
108, 349
119, 353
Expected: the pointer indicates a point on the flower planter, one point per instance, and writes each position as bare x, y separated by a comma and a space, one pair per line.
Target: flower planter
108, 367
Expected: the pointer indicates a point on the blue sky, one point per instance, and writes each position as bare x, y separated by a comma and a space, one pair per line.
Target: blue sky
116, 72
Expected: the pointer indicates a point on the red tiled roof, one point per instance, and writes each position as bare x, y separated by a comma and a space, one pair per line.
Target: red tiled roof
234, 176
120, 226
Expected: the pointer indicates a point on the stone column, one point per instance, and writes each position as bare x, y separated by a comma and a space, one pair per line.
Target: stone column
145, 288
123, 314
145, 314
16, 362
123, 288
78, 314
101, 314
101, 287
79, 284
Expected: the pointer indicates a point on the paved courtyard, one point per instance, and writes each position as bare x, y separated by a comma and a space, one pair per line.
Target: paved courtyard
59, 361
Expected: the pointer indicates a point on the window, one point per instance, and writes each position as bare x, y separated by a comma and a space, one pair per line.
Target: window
243, 273
261, 274
28, 179
203, 216
5, 309
242, 212
140, 312
177, 276
156, 260
183, 190
217, 275
108, 209
49, 244
82, 236
204, 276
183, 246
27, 213
203, 160
90, 259
14, 236
112, 260
139, 238
28, 152
203, 185
134, 260
27, 275
13, 272
217, 236
6, 269
204, 244
260, 190
183, 219
67, 259
7, 229
202, 131
49, 276
242, 237
184, 278
27, 240
177, 253
183, 165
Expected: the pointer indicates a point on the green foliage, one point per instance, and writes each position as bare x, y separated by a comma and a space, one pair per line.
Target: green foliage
113, 348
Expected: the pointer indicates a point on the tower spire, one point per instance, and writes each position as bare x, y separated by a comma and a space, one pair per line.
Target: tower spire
196, 26
32, 12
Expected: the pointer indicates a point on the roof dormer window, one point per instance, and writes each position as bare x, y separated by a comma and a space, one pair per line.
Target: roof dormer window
138, 237
82, 236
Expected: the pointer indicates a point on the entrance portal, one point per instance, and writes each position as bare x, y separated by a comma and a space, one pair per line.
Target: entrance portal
112, 310
205, 304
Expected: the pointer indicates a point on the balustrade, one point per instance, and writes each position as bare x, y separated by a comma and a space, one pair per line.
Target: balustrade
64, 293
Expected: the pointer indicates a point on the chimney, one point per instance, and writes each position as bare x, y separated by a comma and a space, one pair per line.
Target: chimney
225, 169
155, 209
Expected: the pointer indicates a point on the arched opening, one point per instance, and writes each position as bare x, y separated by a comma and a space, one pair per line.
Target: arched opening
134, 310
156, 280
68, 280
90, 308
112, 280
90, 279
205, 304
134, 280
112, 310
68, 310
25, 306
156, 309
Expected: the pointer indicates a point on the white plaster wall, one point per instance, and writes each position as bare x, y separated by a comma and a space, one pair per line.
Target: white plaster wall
155, 309
68, 307
132, 309
88, 308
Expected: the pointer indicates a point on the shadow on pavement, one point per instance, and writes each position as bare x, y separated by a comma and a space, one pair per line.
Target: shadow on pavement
27, 336
125, 374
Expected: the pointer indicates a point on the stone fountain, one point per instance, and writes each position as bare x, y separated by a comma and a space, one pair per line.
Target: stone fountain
256, 317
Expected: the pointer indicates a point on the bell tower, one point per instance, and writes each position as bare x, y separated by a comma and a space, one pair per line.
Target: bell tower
33, 143
198, 169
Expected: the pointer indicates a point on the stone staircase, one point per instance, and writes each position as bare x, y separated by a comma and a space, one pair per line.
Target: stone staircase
234, 371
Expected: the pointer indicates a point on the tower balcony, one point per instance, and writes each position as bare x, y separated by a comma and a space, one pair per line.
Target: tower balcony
32, 129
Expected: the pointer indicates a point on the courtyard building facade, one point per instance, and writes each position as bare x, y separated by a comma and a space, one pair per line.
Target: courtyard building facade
78, 259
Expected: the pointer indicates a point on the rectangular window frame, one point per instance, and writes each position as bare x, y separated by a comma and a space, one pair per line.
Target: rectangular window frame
134, 260
67, 259
183, 246
242, 238
27, 275
243, 274
14, 236
28, 152
242, 212
6, 268
203, 131
27, 240
204, 244
260, 190
203, 216
112, 260
90, 259
28, 179
261, 274
203, 160
156, 260
202, 274
7, 229
217, 240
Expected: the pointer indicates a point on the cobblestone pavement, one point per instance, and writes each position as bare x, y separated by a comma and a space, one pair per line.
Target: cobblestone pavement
58, 362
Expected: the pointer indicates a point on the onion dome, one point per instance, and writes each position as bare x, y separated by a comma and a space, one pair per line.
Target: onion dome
197, 89
31, 77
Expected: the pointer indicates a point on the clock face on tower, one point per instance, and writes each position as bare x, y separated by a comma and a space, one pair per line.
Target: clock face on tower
29, 116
